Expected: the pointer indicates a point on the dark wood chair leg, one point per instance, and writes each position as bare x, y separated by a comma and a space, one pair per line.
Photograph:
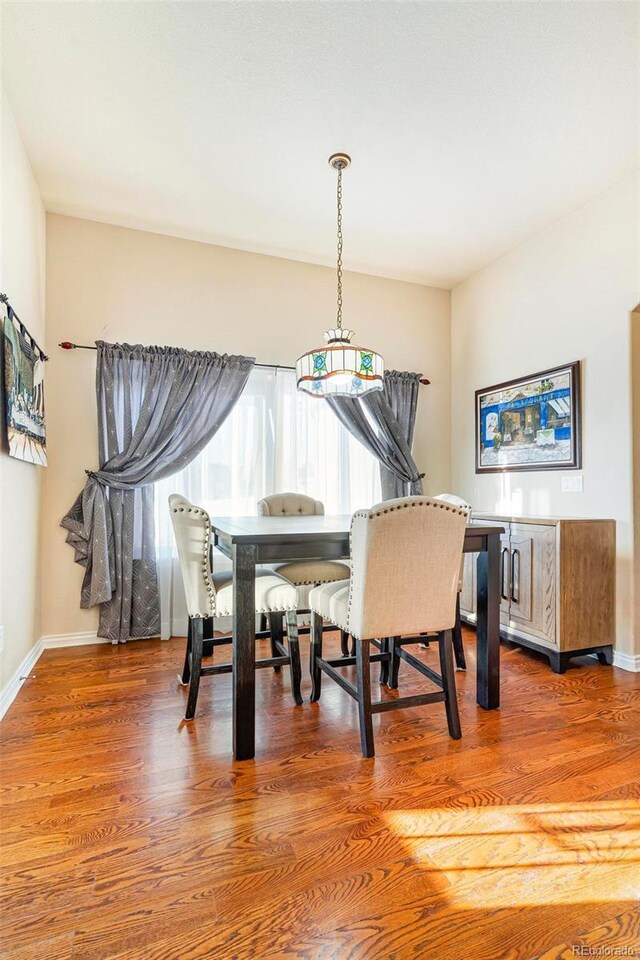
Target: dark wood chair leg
197, 629
458, 646
183, 678
394, 663
344, 643
274, 621
363, 672
449, 684
294, 654
208, 633
352, 649
384, 664
315, 651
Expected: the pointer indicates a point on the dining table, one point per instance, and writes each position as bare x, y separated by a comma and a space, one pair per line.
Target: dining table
250, 541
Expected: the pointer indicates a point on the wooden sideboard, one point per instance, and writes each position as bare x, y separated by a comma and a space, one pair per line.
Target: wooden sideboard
557, 580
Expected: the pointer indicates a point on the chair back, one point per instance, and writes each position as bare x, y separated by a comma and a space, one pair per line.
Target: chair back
405, 557
193, 537
457, 502
290, 505
452, 498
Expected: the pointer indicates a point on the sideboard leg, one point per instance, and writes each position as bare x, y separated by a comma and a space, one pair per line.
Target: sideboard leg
558, 662
605, 655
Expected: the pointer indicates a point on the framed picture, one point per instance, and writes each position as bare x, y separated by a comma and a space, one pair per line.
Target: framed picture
532, 423
23, 363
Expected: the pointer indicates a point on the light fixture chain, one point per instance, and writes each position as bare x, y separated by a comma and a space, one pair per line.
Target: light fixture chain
339, 369
339, 262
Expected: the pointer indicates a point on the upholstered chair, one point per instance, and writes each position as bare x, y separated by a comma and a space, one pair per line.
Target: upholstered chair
303, 574
209, 594
290, 505
405, 566
458, 645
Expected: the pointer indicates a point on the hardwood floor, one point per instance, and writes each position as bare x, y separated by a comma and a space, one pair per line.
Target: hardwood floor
128, 835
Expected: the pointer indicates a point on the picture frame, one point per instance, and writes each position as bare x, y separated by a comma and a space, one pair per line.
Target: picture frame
530, 423
22, 388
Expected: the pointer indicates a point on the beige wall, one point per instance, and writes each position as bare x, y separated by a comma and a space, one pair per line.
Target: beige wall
564, 295
106, 282
635, 392
22, 273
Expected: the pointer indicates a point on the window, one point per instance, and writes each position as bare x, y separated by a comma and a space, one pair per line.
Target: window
275, 439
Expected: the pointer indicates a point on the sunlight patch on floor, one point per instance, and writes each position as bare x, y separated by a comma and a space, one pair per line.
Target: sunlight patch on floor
528, 854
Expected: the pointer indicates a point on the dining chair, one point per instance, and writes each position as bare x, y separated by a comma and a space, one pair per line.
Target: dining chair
458, 644
304, 574
405, 563
209, 594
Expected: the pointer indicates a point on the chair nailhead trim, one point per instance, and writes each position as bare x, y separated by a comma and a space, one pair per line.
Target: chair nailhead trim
206, 572
426, 502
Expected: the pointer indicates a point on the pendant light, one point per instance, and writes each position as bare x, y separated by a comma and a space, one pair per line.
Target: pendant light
340, 369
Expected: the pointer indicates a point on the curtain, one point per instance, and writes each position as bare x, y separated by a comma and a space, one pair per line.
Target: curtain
158, 407
401, 391
275, 439
371, 420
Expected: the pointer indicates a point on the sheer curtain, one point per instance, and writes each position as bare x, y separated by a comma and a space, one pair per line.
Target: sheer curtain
275, 439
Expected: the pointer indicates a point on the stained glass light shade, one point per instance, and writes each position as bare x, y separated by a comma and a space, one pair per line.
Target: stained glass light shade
340, 368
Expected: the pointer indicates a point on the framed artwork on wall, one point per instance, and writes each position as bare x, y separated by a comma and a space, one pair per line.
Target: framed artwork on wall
532, 423
23, 376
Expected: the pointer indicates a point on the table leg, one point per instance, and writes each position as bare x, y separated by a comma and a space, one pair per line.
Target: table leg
244, 650
488, 624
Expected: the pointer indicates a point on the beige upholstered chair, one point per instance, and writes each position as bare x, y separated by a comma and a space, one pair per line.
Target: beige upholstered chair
303, 574
458, 645
209, 594
405, 557
290, 505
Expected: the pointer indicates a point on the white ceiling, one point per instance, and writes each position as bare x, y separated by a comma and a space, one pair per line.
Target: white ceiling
472, 125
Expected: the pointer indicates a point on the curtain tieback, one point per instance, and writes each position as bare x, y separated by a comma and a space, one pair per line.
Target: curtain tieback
419, 476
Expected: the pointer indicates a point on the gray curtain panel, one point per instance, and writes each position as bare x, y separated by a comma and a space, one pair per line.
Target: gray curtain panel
371, 420
158, 407
401, 390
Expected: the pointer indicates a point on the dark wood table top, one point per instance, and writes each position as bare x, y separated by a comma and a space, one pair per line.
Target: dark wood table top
273, 529
285, 529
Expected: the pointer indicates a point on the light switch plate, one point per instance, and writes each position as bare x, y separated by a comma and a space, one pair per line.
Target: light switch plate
572, 484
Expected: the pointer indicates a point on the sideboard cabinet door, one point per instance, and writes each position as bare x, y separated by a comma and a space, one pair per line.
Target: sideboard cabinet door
533, 579
468, 600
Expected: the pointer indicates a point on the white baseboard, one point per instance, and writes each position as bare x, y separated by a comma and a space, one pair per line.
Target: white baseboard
12, 687
56, 641
70, 640
626, 662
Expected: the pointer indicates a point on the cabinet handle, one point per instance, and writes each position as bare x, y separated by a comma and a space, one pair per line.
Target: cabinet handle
505, 550
515, 553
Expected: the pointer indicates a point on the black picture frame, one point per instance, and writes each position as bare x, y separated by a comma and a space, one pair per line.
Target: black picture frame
530, 423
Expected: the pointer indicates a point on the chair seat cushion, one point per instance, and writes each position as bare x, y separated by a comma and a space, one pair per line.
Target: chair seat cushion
312, 571
331, 601
273, 593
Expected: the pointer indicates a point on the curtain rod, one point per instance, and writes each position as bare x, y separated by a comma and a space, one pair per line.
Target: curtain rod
67, 345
